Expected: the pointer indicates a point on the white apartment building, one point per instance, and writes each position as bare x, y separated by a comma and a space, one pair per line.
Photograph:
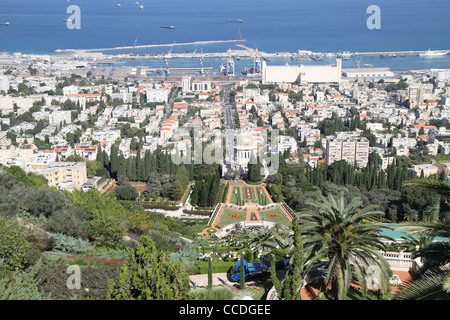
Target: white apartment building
4, 83
60, 117
353, 150
157, 95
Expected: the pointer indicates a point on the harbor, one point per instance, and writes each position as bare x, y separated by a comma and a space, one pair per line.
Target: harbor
132, 52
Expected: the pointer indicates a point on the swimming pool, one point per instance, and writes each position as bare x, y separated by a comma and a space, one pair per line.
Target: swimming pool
398, 234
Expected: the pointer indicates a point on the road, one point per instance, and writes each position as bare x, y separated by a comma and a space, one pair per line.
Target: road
229, 123
169, 105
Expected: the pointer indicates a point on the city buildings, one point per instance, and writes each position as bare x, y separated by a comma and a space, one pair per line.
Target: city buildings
353, 150
65, 175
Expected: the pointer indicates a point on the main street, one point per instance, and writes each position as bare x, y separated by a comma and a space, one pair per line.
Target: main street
229, 123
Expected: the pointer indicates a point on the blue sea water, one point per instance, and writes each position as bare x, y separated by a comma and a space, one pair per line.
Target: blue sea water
269, 25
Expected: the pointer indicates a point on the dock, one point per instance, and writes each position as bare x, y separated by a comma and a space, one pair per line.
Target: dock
395, 52
149, 46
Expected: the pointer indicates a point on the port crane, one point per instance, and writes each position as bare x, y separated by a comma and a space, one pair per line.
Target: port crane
167, 66
201, 66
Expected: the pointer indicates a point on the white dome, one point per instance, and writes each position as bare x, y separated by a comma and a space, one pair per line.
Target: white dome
245, 140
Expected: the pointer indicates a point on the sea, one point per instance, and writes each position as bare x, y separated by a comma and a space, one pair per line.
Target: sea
37, 27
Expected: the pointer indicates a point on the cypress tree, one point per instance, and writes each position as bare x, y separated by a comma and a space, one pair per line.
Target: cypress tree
291, 290
147, 164
139, 166
242, 273
100, 157
203, 195
210, 275
114, 161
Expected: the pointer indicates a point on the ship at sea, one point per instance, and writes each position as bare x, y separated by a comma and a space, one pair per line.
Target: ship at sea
430, 53
237, 20
390, 55
344, 55
168, 27
117, 5
6, 24
317, 57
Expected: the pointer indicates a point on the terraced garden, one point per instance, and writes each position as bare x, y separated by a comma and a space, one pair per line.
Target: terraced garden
275, 215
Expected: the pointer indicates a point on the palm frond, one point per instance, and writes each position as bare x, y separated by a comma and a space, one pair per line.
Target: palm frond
429, 287
438, 186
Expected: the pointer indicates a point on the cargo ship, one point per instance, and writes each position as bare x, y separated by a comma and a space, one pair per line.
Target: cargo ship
430, 53
391, 55
6, 24
237, 20
117, 5
251, 71
168, 27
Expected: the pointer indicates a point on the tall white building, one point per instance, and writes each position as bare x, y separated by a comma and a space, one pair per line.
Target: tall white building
157, 95
3, 139
4, 83
186, 84
353, 150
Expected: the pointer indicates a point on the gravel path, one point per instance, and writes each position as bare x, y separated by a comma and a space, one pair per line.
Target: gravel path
201, 280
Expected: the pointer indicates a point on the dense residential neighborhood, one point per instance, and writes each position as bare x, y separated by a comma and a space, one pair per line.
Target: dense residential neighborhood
217, 171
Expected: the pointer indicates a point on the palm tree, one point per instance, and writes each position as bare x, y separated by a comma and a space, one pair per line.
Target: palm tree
433, 279
340, 232
263, 239
438, 186
420, 241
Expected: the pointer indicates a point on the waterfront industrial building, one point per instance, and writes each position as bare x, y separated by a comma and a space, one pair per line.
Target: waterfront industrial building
362, 73
302, 73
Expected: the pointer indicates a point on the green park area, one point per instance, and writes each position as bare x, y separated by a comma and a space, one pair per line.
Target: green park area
236, 196
230, 216
275, 215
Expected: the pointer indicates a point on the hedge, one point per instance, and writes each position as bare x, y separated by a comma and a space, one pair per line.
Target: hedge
217, 266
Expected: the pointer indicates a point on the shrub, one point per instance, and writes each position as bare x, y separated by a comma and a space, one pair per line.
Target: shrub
70, 244
52, 278
71, 222
15, 250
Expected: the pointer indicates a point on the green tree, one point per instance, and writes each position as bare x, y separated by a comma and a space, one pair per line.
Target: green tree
293, 280
337, 230
92, 167
22, 286
126, 192
107, 230
149, 274
242, 273
210, 274
254, 170
15, 250
263, 239
180, 183
432, 282
153, 185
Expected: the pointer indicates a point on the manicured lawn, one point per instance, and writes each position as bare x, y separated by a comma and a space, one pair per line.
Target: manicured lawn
275, 215
234, 199
230, 216
262, 197
251, 194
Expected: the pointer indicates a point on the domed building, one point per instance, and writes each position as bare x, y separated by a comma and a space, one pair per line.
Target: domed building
245, 148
